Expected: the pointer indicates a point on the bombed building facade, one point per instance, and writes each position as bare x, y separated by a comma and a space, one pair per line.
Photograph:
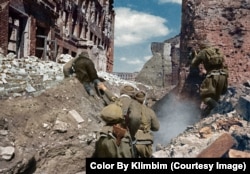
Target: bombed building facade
48, 28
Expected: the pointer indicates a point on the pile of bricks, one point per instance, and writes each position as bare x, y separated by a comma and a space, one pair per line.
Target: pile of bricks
27, 76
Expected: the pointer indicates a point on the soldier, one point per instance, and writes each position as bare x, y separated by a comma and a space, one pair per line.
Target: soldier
216, 79
149, 123
117, 138
85, 71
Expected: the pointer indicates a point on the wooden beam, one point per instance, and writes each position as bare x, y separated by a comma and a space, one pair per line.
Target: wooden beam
219, 147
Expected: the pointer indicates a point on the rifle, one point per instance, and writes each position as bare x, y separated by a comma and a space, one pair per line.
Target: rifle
132, 142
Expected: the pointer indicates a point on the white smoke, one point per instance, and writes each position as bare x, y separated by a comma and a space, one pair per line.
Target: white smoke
174, 116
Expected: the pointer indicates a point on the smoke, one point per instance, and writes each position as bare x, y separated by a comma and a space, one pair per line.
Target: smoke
174, 116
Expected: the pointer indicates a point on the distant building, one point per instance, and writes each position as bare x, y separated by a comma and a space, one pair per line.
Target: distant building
126, 76
49, 28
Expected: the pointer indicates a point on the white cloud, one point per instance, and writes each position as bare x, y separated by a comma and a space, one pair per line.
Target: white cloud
123, 59
170, 1
134, 27
135, 61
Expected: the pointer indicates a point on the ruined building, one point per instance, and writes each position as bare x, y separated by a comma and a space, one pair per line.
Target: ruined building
162, 69
226, 25
48, 28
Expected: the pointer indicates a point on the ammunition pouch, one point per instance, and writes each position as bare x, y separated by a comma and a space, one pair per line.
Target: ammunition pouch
142, 136
119, 132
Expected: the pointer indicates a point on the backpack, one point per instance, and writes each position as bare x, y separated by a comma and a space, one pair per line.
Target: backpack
124, 118
112, 113
123, 110
214, 56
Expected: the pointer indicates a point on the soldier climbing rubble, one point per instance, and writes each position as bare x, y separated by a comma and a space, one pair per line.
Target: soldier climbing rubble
85, 71
211, 62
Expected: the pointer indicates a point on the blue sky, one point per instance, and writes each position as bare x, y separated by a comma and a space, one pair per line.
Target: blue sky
138, 23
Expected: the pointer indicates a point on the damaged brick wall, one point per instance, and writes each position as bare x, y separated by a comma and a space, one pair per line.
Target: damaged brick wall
225, 23
47, 29
4, 10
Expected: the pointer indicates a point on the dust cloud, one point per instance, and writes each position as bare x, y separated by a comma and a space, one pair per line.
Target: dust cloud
174, 116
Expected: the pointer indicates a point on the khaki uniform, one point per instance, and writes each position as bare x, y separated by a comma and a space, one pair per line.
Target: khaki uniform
215, 82
85, 71
106, 145
127, 102
144, 135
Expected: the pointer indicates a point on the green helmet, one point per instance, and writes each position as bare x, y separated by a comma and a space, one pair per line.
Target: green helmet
204, 44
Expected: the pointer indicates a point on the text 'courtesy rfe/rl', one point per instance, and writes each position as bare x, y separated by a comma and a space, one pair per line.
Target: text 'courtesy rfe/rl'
173, 166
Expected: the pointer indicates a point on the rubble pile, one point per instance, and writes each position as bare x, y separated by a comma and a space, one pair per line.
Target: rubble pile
232, 117
27, 76
31, 76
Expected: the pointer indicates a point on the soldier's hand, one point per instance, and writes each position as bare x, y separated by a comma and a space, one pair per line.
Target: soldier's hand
202, 70
101, 86
203, 106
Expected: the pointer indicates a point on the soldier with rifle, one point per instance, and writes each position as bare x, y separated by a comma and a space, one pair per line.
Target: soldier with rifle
117, 138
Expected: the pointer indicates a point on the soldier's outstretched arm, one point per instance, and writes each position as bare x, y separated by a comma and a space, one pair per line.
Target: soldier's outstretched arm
198, 59
111, 96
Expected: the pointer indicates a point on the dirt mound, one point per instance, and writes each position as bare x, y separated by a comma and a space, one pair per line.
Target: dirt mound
44, 133
53, 132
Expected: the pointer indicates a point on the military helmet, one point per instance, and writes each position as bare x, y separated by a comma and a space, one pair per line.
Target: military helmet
140, 96
128, 89
84, 54
204, 44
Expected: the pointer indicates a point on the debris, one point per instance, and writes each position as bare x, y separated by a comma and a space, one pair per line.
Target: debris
219, 147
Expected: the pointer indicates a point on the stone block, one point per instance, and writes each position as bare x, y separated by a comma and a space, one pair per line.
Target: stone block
243, 107
219, 147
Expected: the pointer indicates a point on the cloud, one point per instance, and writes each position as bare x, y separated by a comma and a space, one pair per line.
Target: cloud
134, 27
135, 61
170, 1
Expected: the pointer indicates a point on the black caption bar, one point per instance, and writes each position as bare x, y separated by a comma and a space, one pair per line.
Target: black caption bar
166, 165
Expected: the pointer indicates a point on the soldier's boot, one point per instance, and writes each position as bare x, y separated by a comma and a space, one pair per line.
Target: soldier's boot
211, 104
